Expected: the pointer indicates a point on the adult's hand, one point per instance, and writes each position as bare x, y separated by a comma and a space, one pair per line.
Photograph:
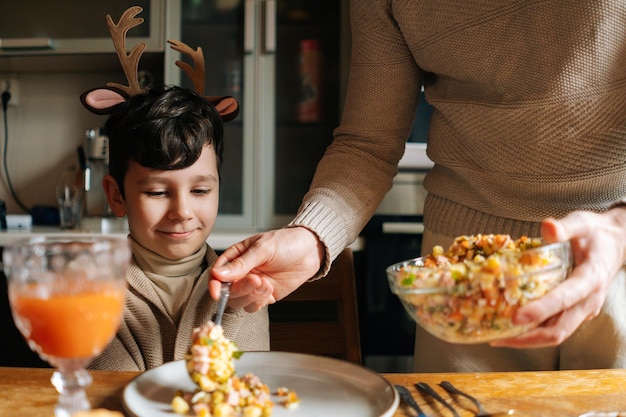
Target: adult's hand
267, 267
599, 250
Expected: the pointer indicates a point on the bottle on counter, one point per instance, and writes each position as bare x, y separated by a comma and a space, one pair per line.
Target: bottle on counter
310, 105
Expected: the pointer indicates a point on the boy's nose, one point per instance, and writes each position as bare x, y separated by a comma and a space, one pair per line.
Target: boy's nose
181, 208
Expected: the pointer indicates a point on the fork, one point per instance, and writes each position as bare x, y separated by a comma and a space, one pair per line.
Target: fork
222, 301
454, 390
481, 410
406, 397
424, 387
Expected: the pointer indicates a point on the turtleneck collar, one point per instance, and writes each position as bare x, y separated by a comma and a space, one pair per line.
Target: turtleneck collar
153, 263
173, 279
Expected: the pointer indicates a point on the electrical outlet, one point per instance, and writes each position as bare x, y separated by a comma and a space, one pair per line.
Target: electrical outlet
11, 84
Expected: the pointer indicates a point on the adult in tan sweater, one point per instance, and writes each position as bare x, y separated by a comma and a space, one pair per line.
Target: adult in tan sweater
529, 126
164, 160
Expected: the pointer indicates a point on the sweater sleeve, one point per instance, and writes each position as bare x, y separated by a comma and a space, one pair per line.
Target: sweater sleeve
359, 165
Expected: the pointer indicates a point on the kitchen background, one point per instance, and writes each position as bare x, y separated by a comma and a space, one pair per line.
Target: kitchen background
286, 60
283, 59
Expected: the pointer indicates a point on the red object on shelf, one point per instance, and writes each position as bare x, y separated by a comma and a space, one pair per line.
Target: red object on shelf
310, 108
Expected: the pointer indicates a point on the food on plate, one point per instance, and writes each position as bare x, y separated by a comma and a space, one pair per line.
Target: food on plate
210, 358
289, 398
220, 392
469, 293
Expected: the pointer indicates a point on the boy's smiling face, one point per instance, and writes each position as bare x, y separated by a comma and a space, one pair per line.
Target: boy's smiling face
172, 212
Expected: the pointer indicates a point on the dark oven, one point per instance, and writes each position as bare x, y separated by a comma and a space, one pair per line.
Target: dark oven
393, 234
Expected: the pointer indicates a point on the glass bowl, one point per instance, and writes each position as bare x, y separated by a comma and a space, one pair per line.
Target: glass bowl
474, 300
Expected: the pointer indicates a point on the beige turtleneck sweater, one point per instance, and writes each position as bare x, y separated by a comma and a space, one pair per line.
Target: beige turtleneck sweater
529, 116
165, 300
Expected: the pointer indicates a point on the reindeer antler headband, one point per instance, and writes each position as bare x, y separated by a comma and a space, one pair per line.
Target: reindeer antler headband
105, 100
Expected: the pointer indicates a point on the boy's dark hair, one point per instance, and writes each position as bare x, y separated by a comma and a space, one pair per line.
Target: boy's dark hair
164, 129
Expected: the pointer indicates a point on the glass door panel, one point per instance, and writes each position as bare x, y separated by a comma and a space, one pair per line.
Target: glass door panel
307, 92
217, 27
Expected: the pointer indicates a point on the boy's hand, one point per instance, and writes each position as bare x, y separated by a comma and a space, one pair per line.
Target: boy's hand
267, 267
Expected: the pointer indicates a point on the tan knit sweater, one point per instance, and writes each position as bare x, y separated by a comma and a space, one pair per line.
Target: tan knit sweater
529, 116
148, 336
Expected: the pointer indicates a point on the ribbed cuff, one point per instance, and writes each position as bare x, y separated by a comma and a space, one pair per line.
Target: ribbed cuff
329, 228
618, 203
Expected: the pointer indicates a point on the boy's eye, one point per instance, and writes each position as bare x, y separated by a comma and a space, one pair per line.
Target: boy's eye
200, 191
194, 191
155, 193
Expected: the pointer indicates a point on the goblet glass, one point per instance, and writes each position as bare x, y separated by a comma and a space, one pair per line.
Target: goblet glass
67, 298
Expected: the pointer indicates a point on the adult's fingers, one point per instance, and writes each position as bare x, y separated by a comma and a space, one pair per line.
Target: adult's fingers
552, 332
253, 297
236, 261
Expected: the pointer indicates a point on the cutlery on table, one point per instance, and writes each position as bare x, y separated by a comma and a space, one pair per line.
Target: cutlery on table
425, 388
407, 398
481, 410
222, 301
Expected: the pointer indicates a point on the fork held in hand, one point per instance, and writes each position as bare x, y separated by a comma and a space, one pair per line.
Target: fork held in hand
223, 300
424, 387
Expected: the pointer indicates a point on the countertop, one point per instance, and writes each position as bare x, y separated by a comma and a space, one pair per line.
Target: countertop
219, 240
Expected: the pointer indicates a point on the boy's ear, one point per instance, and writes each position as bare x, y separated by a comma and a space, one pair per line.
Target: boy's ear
114, 196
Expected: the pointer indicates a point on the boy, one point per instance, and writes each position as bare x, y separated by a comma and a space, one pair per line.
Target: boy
165, 152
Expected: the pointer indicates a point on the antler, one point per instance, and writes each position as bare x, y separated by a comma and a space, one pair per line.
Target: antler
227, 107
106, 99
130, 62
196, 75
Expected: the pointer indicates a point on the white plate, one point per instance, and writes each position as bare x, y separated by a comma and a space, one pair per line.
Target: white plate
326, 387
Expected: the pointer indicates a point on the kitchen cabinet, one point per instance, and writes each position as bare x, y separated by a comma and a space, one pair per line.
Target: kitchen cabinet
34, 27
262, 52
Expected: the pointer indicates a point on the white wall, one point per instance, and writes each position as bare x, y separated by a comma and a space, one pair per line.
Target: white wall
45, 129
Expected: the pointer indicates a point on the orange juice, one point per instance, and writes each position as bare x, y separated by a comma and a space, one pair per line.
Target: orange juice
75, 325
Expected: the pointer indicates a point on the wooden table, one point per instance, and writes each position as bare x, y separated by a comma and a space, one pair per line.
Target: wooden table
537, 394
28, 392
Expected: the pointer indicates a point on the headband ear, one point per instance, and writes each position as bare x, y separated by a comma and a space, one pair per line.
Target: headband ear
103, 100
227, 106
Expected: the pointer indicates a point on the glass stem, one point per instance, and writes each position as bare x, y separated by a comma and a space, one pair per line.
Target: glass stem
71, 387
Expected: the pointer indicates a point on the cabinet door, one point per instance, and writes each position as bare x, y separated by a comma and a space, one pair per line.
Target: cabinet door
273, 55
309, 64
217, 26
34, 27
